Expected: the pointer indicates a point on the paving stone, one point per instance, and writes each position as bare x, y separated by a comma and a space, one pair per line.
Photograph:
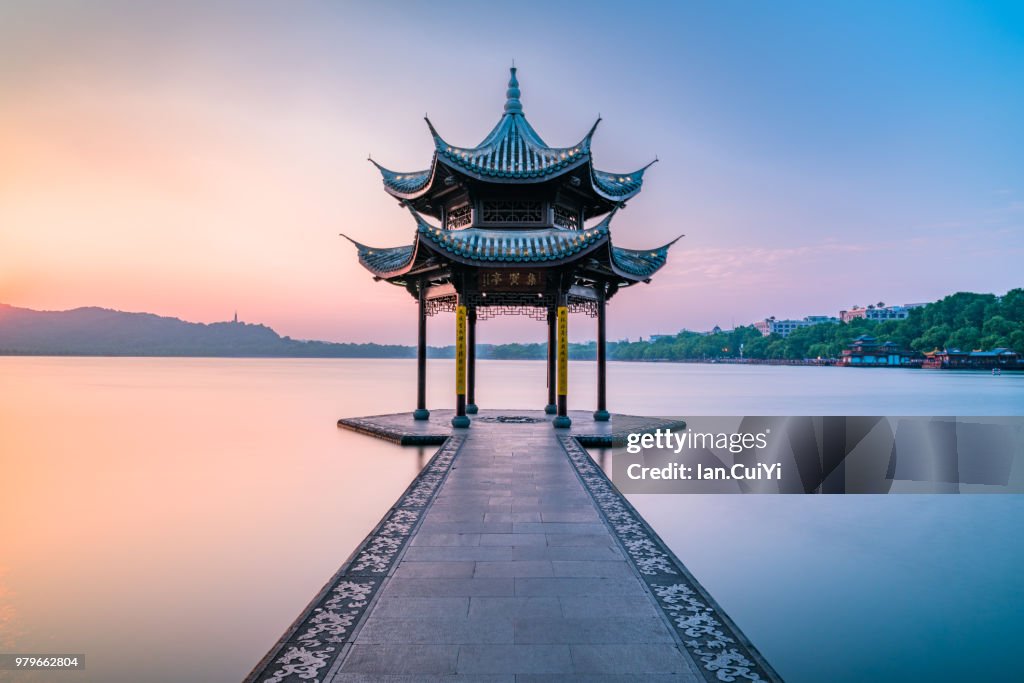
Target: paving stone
439, 588
445, 539
514, 568
621, 629
440, 630
513, 539
460, 514
567, 516
421, 608
604, 539
628, 659
559, 528
527, 587
605, 607
514, 608
429, 527
402, 659
422, 678
485, 659
499, 553
494, 553
512, 517
610, 678
523, 506
585, 568
436, 570
593, 553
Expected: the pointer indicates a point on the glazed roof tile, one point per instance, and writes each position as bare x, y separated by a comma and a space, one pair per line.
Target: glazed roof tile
513, 246
619, 185
513, 151
482, 246
404, 183
641, 263
381, 261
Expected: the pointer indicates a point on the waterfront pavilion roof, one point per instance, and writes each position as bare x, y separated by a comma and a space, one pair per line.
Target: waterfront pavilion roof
513, 153
434, 247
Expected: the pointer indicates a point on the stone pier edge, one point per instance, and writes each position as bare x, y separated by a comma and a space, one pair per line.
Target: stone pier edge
394, 433
714, 642
369, 427
320, 636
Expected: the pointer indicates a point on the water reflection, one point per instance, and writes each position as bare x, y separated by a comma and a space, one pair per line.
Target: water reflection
172, 516
858, 587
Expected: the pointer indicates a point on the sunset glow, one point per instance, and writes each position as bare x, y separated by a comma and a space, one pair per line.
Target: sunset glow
157, 158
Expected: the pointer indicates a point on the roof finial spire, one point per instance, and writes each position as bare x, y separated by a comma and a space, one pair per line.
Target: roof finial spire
512, 103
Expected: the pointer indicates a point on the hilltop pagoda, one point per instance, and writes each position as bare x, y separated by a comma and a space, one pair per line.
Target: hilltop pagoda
510, 237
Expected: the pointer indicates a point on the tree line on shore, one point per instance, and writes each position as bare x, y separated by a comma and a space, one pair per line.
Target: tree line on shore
964, 320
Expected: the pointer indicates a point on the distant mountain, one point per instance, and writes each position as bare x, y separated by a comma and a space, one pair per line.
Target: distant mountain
104, 332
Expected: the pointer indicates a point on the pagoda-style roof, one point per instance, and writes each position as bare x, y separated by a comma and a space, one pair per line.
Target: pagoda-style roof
513, 150
485, 247
513, 153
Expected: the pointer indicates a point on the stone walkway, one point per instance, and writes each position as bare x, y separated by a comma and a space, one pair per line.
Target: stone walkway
511, 558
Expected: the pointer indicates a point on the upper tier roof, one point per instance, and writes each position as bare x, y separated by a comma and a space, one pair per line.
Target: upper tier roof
513, 152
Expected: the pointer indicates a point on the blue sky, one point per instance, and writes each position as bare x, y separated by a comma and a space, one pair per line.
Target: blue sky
817, 155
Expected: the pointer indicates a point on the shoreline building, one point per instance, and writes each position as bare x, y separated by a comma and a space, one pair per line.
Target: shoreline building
783, 328
878, 312
865, 351
511, 239
955, 359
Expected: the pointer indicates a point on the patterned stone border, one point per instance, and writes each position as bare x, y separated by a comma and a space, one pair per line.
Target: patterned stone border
710, 637
371, 427
313, 643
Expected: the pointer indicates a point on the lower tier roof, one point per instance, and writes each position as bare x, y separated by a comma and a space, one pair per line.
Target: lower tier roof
489, 248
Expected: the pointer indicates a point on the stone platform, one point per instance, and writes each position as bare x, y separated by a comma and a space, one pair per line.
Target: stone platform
511, 557
400, 428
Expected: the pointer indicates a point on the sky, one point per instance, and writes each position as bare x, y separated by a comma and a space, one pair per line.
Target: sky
194, 159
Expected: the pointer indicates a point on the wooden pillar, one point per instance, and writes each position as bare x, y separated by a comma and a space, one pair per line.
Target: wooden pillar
460, 419
562, 420
601, 414
471, 361
421, 412
551, 408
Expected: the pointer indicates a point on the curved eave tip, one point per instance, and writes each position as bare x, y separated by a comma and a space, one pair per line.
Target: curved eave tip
669, 245
359, 246
652, 163
433, 131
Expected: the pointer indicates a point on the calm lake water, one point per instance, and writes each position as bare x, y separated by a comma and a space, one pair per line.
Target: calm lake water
170, 517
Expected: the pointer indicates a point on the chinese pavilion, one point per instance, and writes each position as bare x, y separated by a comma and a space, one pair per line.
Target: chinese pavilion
511, 238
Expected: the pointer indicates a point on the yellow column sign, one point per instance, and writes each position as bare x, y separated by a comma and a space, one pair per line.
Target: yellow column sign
563, 351
460, 350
